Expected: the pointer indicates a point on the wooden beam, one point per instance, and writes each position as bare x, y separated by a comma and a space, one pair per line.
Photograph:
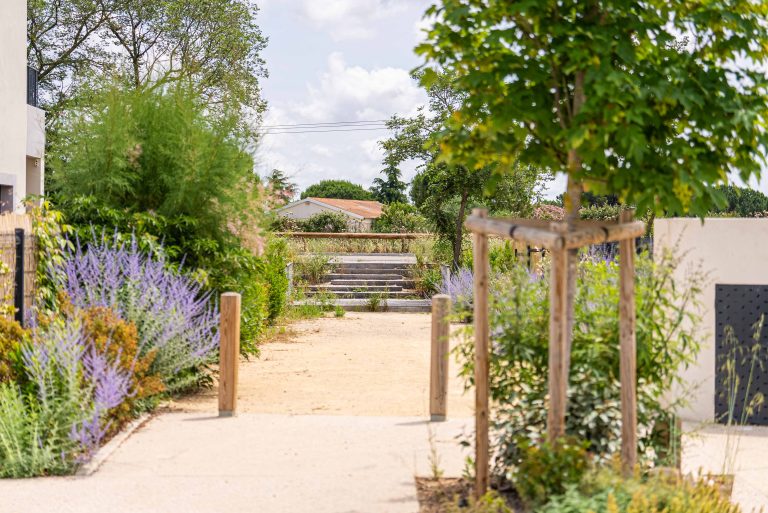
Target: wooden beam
558, 336
229, 353
353, 235
628, 349
482, 335
438, 375
509, 230
584, 236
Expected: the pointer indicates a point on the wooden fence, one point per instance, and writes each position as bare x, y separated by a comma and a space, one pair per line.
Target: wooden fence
9, 248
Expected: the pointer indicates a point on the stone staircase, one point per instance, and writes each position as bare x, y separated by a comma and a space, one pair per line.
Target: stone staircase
357, 282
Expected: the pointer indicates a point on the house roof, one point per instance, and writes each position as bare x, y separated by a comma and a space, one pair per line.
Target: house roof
366, 209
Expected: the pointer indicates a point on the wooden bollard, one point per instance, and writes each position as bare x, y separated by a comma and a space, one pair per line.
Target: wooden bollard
438, 382
229, 353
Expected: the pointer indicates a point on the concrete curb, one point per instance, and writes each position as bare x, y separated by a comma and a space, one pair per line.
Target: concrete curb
106, 451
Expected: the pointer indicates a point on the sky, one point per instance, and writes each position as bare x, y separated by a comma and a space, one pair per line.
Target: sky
333, 61
336, 61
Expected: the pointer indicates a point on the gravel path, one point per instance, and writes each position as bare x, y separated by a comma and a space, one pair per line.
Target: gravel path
361, 364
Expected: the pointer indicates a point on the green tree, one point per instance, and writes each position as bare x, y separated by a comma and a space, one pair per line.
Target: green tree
152, 150
645, 100
654, 101
390, 189
445, 191
280, 187
339, 189
743, 201
214, 44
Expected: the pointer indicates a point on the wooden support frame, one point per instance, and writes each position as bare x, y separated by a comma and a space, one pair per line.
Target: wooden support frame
482, 336
558, 238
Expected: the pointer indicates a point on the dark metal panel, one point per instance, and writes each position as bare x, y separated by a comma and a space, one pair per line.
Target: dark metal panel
740, 307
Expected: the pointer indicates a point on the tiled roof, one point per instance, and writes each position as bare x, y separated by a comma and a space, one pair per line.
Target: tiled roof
367, 209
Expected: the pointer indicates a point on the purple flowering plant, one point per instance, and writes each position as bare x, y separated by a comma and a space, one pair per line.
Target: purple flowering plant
172, 313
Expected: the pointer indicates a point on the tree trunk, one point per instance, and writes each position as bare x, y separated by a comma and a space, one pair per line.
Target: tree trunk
459, 231
572, 207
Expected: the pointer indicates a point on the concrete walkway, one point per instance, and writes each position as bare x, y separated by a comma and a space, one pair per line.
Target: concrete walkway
333, 419
704, 452
192, 463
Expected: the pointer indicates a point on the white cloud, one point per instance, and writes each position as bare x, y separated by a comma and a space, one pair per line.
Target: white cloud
341, 92
350, 19
351, 93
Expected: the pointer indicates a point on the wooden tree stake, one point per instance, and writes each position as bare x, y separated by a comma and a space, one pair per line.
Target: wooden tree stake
481, 272
229, 353
558, 339
438, 376
628, 350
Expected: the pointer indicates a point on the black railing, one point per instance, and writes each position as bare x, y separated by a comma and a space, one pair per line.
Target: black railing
32, 97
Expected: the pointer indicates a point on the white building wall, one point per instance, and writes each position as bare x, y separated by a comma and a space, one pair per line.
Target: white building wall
304, 210
733, 251
13, 94
22, 127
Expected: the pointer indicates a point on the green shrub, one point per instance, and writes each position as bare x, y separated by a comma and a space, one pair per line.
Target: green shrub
491, 502
519, 312
12, 336
276, 276
545, 470
400, 218
313, 268
604, 491
242, 272
326, 222
158, 150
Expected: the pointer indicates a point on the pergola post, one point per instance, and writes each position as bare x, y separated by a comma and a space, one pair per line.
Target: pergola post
481, 271
628, 349
558, 339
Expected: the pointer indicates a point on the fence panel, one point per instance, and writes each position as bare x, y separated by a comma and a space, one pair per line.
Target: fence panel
8, 225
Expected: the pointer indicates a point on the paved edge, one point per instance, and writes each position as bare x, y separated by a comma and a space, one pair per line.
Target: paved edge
104, 452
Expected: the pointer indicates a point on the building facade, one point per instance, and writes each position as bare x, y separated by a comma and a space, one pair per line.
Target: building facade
22, 122
360, 213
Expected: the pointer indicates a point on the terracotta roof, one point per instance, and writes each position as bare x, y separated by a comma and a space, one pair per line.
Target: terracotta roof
367, 209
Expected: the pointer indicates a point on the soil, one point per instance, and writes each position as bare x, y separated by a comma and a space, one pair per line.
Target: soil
439, 495
361, 364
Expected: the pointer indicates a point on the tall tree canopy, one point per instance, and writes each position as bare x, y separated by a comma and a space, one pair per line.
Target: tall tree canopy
340, 189
279, 187
155, 150
445, 191
214, 44
390, 189
654, 100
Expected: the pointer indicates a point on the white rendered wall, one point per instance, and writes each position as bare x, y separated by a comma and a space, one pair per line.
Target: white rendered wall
734, 251
13, 95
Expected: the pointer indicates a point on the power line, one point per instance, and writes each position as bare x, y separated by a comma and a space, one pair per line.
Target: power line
328, 124
325, 131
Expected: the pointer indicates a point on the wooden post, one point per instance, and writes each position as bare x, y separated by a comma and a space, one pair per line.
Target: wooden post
558, 336
481, 272
229, 353
438, 376
628, 350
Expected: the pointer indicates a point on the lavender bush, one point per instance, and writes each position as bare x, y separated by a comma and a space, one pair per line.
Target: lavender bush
460, 286
58, 418
172, 314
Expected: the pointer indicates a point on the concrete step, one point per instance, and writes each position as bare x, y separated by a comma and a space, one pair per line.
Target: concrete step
406, 284
353, 288
402, 294
392, 305
373, 265
362, 276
